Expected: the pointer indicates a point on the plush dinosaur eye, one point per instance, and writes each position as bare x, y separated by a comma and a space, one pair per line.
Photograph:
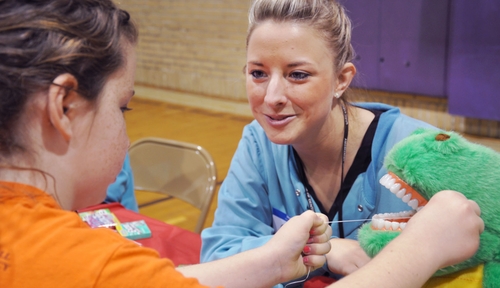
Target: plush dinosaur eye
442, 137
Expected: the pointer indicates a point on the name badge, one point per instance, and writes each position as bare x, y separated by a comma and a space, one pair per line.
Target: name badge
279, 219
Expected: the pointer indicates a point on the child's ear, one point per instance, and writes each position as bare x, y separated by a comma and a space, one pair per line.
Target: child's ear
61, 95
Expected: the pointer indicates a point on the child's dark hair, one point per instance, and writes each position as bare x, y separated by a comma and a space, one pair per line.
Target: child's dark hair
42, 39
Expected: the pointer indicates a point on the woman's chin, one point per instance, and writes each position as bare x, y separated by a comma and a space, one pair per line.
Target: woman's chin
280, 139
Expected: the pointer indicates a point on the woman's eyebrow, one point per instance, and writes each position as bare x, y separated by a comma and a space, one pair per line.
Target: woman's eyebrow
296, 64
256, 63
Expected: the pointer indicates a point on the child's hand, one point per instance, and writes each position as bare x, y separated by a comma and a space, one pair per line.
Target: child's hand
449, 225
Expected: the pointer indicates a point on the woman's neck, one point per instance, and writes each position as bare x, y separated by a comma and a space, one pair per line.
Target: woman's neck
322, 161
325, 150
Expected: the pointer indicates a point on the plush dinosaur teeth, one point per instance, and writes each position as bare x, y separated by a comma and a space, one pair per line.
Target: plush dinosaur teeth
397, 221
403, 191
391, 221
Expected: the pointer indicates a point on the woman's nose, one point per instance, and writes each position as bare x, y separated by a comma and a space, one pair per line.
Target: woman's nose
275, 93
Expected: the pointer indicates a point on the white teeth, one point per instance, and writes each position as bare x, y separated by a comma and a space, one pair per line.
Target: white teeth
387, 225
390, 182
401, 214
395, 226
382, 221
380, 224
395, 188
384, 179
413, 203
401, 193
408, 213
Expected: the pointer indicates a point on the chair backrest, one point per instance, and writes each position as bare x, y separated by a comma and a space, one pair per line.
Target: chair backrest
179, 169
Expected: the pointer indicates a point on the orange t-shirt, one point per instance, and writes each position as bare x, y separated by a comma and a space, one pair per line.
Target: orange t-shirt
42, 245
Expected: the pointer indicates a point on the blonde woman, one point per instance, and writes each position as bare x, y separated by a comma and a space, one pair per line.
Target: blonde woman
309, 147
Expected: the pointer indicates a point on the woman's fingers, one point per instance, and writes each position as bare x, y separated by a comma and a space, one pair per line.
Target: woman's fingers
318, 243
321, 230
314, 261
317, 248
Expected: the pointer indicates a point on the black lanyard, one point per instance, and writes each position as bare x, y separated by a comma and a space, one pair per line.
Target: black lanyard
339, 200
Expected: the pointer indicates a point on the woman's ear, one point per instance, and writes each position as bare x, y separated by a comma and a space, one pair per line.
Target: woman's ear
61, 95
345, 77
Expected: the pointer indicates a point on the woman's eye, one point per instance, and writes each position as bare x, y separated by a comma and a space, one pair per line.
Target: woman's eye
299, 75
257, 74
125, 109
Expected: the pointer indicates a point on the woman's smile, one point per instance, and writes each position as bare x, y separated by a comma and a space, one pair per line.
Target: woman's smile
279, 120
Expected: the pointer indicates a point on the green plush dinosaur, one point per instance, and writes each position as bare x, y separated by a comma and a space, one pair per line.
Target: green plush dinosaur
429, 161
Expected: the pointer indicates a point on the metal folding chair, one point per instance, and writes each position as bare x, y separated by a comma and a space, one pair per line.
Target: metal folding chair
179, 169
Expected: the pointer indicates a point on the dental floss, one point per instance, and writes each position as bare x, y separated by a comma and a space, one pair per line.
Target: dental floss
361, 220
302, 280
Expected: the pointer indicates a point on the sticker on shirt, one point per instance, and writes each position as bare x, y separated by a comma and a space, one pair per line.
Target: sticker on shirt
279, 219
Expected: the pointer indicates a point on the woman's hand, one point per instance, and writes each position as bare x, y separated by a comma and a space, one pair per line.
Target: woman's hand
301, 243
346, 256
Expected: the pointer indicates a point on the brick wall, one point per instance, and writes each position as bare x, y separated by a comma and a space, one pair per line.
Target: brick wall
195, 46
192, 52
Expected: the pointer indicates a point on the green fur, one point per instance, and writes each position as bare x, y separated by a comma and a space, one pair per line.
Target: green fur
373, 241
430, 166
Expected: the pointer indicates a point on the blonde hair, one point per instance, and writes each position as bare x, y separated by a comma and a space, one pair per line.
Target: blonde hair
326, 16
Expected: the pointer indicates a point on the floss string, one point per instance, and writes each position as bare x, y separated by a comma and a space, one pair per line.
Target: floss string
302, 280
362, 220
